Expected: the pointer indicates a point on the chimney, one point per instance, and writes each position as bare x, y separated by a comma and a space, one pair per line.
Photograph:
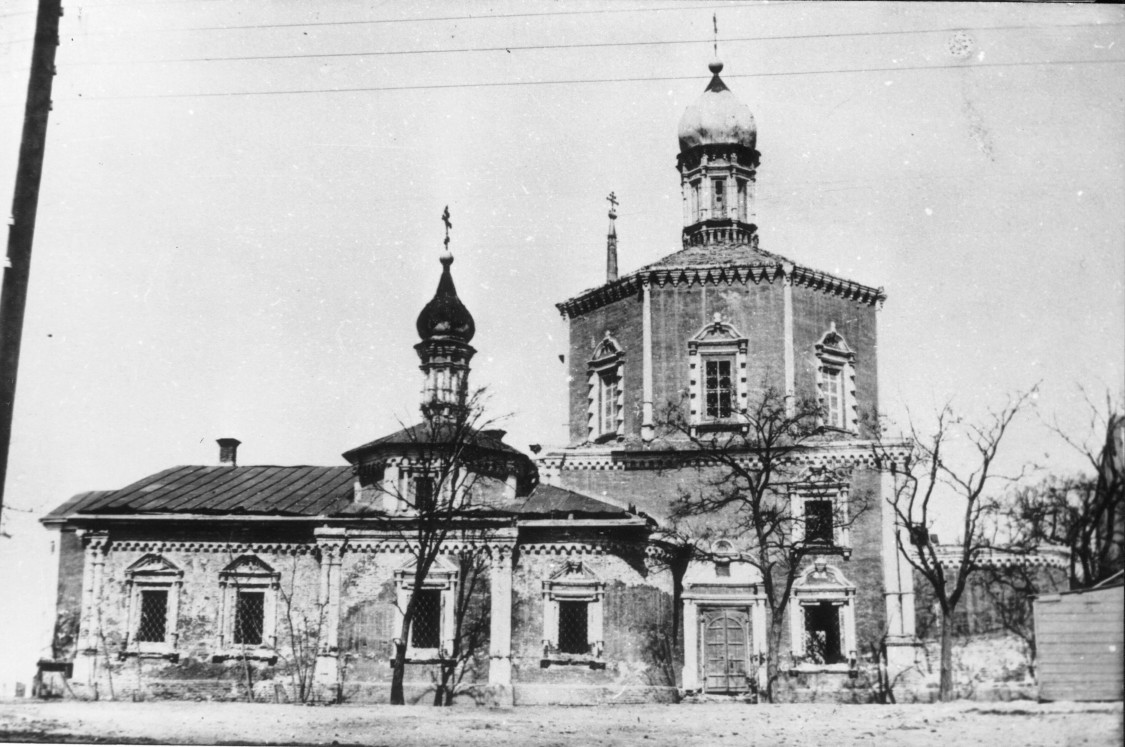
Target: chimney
228, 452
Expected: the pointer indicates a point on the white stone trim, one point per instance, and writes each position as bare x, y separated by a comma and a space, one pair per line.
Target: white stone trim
833, 354
820, 583
573, 582
152, 573
607, 361
247, 573
716, 340
443, 576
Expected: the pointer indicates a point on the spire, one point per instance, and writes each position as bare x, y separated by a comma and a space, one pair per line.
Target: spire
611, 241
446, 327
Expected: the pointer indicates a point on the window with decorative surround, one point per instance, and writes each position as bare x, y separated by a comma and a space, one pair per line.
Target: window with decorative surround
822, 619
836, 381
248, 610
432, 628
153, 584
717, 366
573, 598
606, 370
821, 514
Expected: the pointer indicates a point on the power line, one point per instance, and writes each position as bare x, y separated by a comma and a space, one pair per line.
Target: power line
482, 17
657, 79
590, 45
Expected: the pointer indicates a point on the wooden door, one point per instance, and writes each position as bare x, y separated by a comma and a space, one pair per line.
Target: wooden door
726, 650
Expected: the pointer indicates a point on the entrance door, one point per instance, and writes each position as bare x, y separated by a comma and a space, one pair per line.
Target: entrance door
726, 649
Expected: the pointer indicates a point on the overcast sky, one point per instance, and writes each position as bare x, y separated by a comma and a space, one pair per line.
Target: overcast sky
240, 211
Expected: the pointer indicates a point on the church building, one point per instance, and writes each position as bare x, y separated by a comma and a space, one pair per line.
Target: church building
591, 573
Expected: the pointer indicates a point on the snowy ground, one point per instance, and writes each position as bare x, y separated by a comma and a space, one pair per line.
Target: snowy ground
1018, 723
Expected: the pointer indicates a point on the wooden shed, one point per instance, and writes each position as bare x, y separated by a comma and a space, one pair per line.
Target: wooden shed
1080, 639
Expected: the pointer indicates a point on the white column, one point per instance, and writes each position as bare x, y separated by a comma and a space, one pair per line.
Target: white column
691, 645
790, 353
646, 352
898, 585
500, 632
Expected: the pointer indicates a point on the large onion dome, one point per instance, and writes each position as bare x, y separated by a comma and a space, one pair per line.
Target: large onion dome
445, 316
717, 118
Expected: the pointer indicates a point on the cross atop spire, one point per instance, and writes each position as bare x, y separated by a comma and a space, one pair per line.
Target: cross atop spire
448, 225
611, 240
715, 43
612, 200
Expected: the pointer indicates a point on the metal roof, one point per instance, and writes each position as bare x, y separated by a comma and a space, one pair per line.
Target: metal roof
551, 500
294, 491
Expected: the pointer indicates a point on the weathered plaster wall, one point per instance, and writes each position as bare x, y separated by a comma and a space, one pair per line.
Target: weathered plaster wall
640, 664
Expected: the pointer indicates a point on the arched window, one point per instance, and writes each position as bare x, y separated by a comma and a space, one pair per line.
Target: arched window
836, 381
606, 397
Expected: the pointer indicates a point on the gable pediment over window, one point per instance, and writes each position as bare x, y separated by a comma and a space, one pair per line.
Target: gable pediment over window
432, 628
820, 509
248, 609
154, 584
606, 398
717, 367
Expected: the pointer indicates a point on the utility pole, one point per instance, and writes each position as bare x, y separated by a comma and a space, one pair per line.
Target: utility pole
25, 202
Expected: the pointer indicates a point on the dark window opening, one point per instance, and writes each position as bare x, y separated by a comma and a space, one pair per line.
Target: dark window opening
424, 494
607, 403
154, 616
249, 617
719, 388
818, 521
822, 633
718, 198
572, 628
722, 570
425, 628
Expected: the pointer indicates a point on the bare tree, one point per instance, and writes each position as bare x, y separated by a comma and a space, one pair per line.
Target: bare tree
305, 629
471, 621
931, 476
747, 471
454, 453
1084, 513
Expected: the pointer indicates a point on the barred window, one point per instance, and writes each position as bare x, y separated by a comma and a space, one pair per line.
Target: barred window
572, 628
249, 617
718, 387
425, 628
153, 622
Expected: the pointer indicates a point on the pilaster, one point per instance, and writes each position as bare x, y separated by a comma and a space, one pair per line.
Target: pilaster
89, 630
330, 544
500, 632
691, 646
647, 432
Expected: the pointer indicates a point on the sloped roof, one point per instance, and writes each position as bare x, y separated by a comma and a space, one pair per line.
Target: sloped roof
428, 434
723, 263
548, 500
293, 491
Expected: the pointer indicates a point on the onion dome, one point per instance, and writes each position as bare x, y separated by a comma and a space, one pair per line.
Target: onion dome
717, 118
445, 316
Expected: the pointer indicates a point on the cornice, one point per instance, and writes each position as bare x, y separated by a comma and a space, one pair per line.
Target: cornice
715, 275
1046, 556
829, 455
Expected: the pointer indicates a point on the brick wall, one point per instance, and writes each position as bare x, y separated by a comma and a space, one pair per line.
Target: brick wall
813, 313
622, 319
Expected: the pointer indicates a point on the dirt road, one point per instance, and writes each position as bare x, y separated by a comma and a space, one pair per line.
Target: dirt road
960, 724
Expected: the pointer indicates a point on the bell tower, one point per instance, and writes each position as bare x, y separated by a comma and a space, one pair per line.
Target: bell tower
446, 327
718, 165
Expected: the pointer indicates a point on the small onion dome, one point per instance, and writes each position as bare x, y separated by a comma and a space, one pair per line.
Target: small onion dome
445, 315
717, 118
